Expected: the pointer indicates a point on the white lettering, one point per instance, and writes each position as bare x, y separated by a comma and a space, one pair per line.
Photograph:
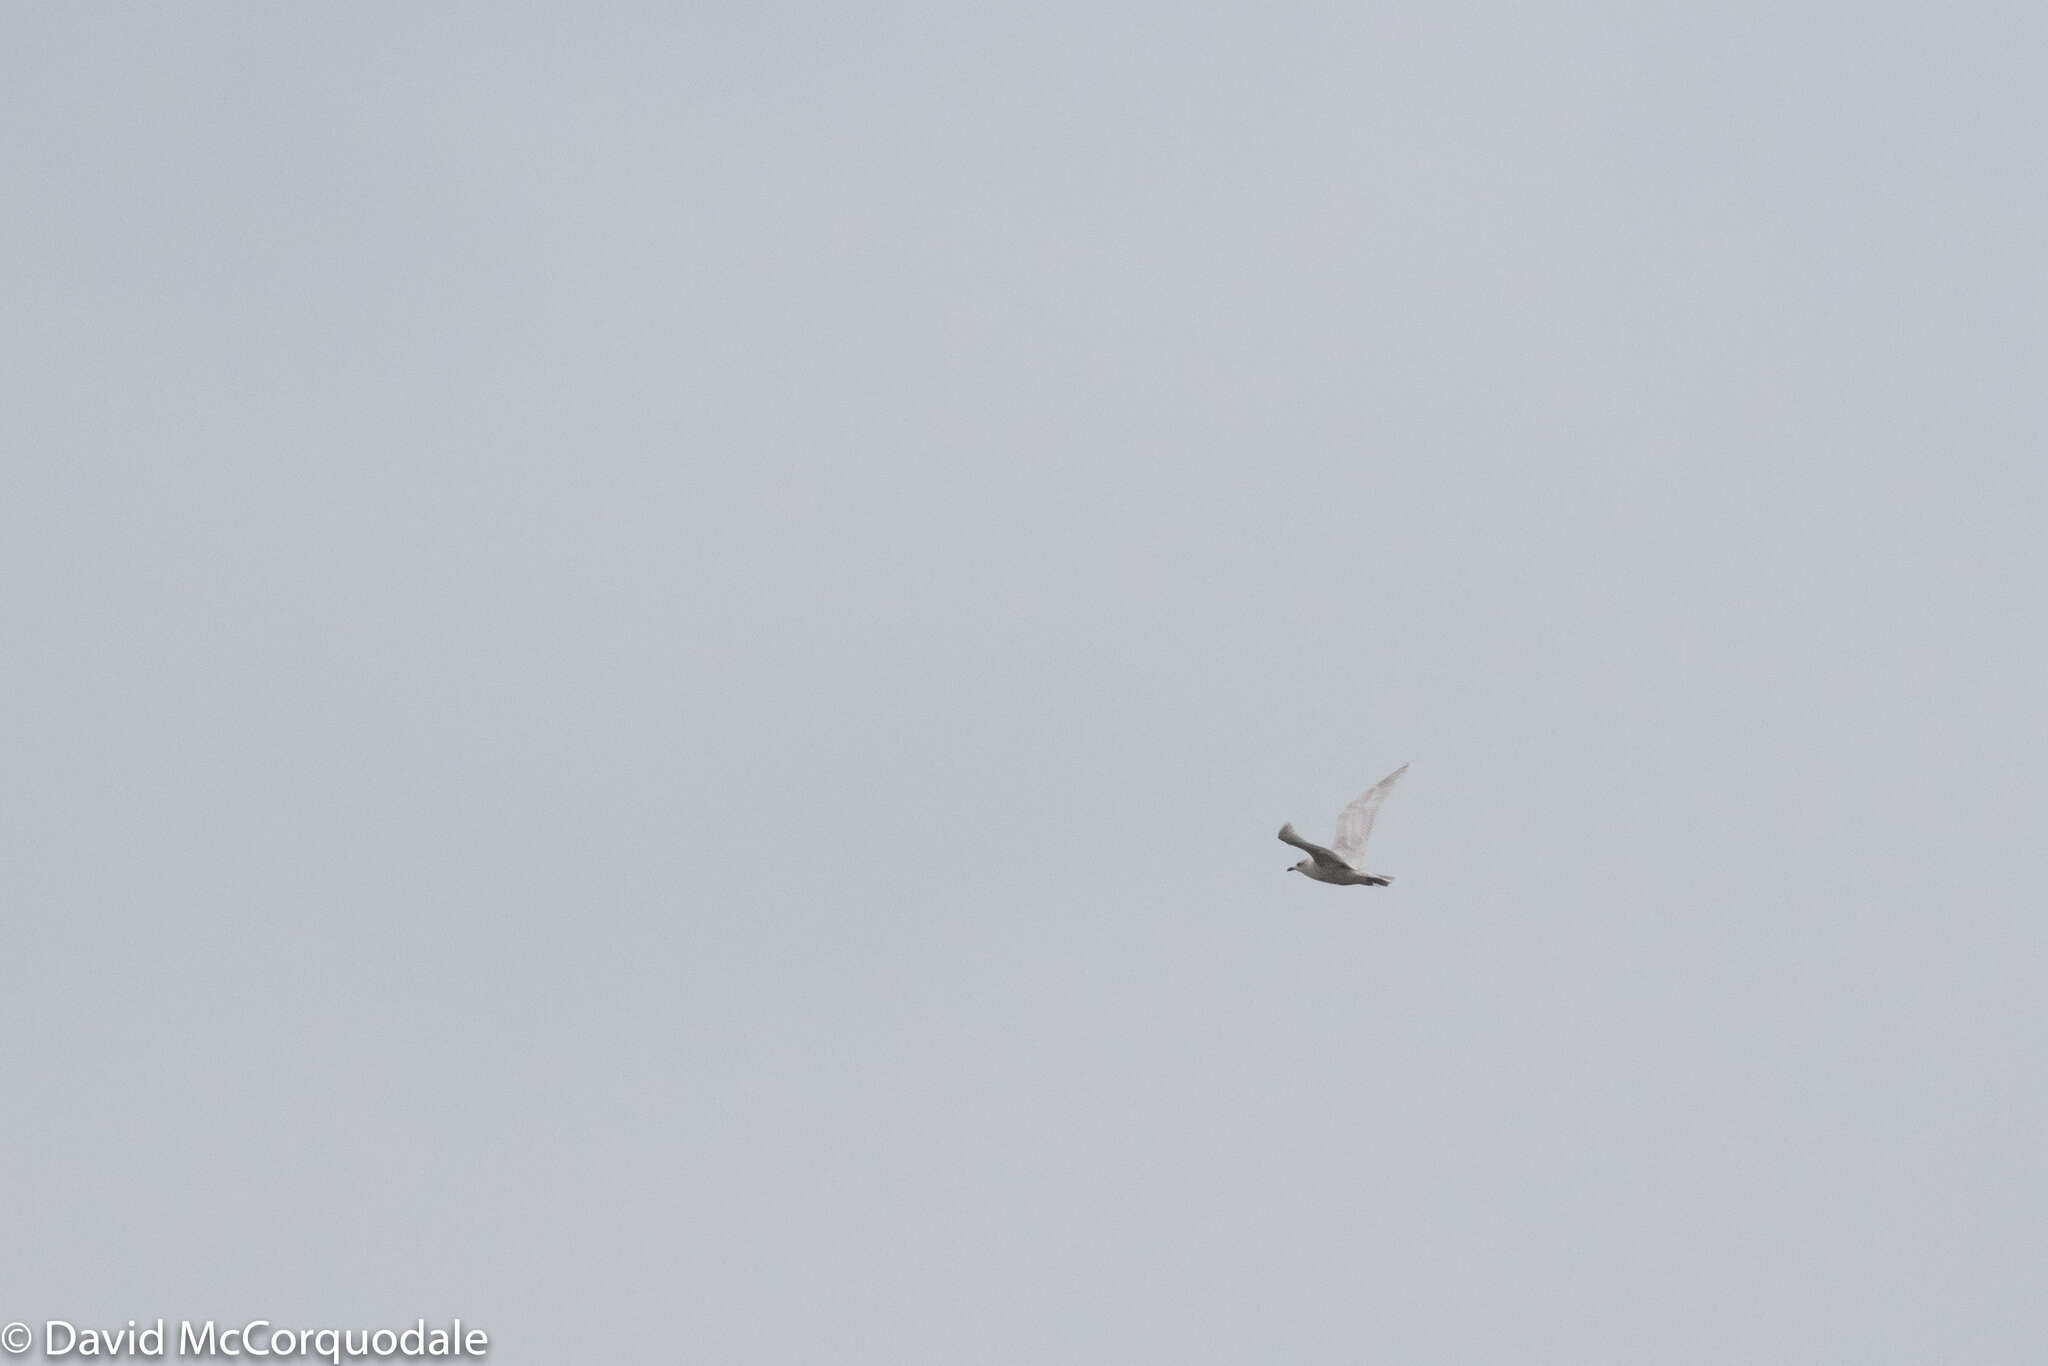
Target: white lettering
260, 1338
50, 1329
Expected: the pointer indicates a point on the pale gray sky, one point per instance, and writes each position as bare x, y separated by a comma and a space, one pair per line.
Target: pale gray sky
655, 652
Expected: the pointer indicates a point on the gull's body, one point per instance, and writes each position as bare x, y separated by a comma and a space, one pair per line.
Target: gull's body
1338, 864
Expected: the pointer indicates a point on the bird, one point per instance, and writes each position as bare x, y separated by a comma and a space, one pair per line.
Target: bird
1338, 864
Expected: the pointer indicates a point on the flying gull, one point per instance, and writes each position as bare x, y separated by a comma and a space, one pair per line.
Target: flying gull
1338, 864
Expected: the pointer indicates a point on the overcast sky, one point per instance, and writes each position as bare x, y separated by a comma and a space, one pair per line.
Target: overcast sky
654, 652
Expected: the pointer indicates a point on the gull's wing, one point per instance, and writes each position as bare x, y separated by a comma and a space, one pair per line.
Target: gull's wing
1354, 822
1323, 857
